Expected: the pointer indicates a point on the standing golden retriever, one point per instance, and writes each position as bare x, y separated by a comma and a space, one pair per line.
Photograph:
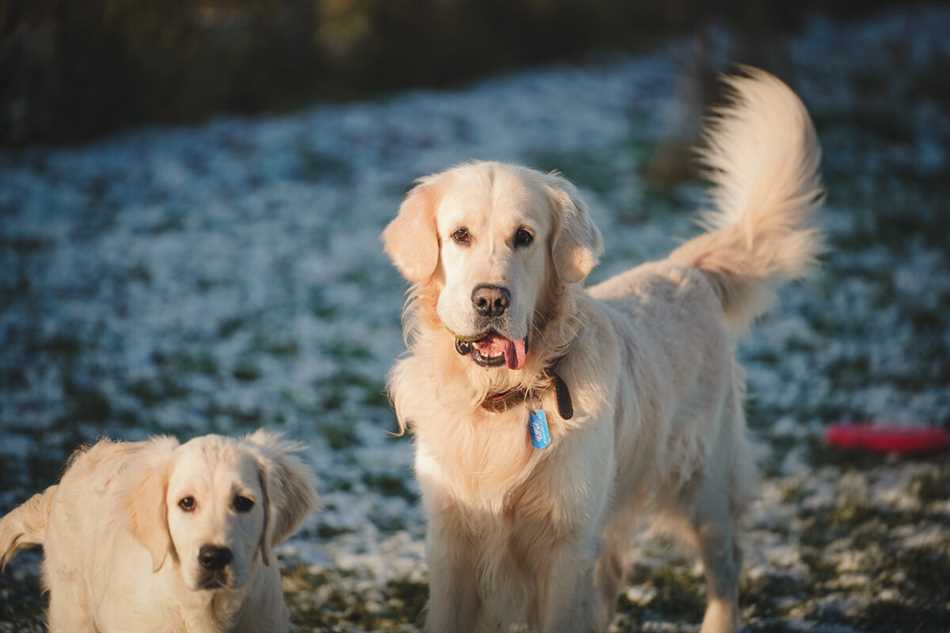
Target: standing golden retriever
550, 418
159, 537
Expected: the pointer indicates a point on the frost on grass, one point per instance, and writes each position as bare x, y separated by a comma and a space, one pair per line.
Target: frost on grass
228, 276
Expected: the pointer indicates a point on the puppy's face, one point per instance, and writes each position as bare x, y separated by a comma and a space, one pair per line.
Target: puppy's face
216, 512
491, 237
215, 504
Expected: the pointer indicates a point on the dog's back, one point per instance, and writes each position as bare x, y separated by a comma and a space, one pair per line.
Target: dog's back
27, 524
687, 311
73, 521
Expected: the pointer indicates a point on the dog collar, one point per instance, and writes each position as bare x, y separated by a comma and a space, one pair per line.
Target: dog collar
501, 402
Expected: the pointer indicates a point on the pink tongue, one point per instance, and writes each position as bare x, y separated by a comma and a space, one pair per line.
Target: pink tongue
515, 355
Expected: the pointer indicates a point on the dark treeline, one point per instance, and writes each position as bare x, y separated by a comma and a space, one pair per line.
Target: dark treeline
74, 69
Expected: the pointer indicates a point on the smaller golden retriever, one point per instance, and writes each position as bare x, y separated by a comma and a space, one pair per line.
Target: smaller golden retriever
167, 538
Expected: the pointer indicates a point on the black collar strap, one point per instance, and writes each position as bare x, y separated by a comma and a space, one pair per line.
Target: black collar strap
501, 402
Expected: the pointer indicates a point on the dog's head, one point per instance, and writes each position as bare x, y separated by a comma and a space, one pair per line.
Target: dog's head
490, 242
215, 503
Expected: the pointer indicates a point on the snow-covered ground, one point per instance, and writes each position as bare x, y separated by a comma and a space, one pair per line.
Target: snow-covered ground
228, 276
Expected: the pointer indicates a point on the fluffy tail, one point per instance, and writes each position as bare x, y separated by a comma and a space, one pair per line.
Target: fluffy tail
25, 525
762, 157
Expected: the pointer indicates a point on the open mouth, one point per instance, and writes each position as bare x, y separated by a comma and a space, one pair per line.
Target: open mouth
494, 350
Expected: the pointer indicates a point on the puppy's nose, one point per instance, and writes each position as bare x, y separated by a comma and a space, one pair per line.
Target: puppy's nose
490, 301
213, 557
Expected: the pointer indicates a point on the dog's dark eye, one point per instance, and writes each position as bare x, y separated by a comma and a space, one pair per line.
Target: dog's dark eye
461, 236
187, 503
243, 504
523, 237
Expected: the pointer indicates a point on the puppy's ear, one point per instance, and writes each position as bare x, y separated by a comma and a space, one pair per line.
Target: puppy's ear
411, 240
577, 243
263, 543
145, 499
287, 485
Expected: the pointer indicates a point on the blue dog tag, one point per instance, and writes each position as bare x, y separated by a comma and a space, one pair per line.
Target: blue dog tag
538, 429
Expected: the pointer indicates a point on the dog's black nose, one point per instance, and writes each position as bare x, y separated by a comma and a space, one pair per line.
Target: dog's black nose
490, 301
213, 557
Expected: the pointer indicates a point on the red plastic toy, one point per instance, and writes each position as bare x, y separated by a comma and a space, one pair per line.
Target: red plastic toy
888, 439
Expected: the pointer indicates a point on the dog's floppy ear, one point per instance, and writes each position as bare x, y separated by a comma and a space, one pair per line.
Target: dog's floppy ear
577, 243
411, 240
145, 499
263, 543
287, 486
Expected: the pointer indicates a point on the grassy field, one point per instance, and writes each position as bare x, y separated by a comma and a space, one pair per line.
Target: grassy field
229, 276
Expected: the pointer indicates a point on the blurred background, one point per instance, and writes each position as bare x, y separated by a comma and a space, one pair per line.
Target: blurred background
191, 194
75, 70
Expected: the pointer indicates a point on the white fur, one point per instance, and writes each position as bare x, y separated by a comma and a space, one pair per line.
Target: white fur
762, 157
518, 535
121, 555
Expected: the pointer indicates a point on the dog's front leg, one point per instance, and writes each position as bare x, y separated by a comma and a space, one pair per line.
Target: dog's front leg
567, 599
453, 588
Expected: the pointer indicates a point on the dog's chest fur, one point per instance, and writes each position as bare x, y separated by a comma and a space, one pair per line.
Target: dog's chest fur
478, 457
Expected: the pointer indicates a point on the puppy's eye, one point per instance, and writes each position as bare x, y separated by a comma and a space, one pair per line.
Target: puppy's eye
523, 237
461, 236
243, 504
187, 503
